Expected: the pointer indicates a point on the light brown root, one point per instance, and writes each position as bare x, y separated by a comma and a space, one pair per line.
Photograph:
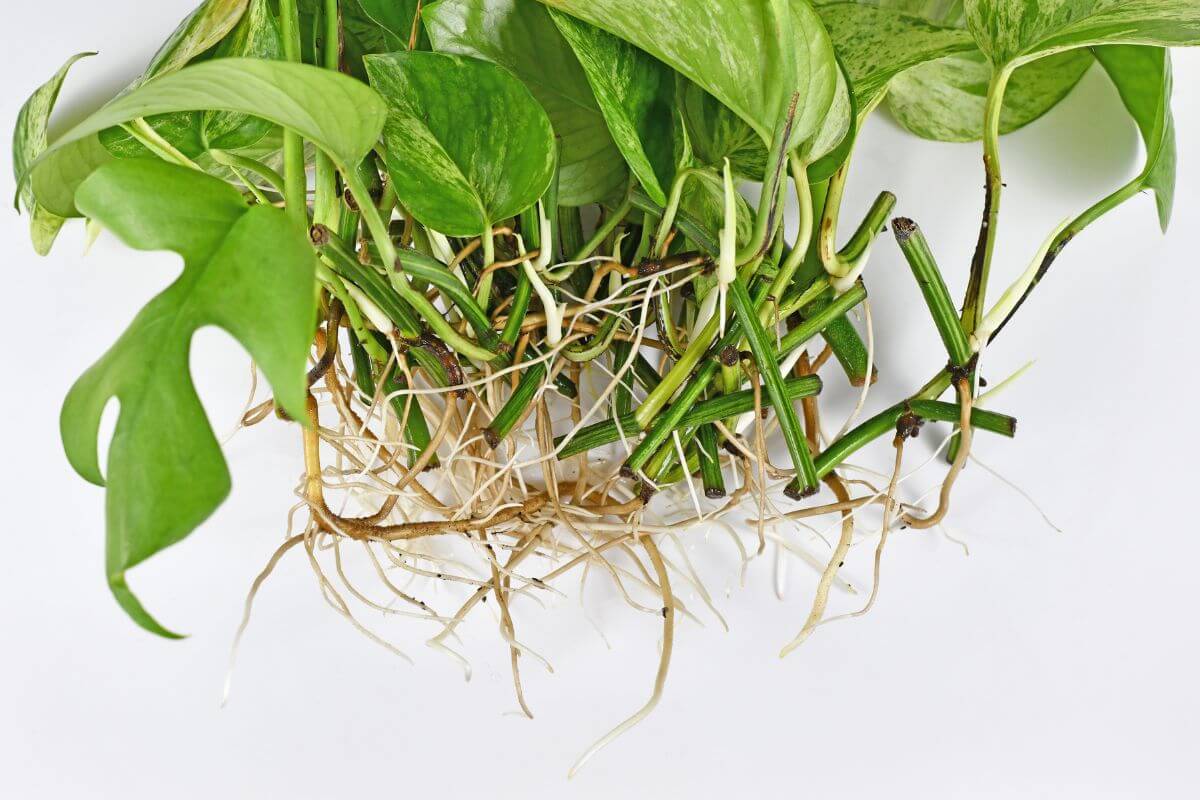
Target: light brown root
664, 663
889, 506
248, 608
960, 461
835, 563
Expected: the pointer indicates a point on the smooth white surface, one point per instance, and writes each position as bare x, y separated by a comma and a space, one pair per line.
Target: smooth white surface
1046, 664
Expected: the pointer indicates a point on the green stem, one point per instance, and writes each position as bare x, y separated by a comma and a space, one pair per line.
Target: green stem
602, 232
885, 422
827, 240
1064, 238
763, 349
326, 205
250, 165
976, 298
710, 463
706, 412
152, 141
787, 270
295, 192
376, 225
672, 209
937, 297
484, 292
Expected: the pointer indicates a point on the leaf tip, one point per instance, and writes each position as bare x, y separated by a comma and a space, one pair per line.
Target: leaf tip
129, 603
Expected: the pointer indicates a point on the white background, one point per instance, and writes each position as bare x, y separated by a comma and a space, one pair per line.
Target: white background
1045, 664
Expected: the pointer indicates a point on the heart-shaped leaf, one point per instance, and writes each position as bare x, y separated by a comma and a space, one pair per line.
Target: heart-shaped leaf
336, 113
458, 173
740, 51
945, 99
1015, 31
192, 133
248, 270
520, 36
636, 94
202, 30
256, 36
398, 19
716, 133
29, 141
877, 44
1143, 78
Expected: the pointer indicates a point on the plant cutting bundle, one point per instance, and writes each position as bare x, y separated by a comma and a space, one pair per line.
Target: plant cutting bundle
492, 259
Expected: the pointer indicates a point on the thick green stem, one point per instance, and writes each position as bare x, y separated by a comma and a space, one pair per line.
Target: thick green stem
885, 423
708, 411
937, 297
763, 349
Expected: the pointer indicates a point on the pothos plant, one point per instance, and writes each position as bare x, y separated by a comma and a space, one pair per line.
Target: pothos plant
491, 257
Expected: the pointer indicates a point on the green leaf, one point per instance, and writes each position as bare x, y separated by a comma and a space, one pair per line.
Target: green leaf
944, 100
336, 113
29, 141
396, 18
877, 44
192, 133
703, 199
636, 93
520, 36
368, 27
202, 30
458, 173
247, 270
1143, 78
836, 126
732, 49
835, 141
256, 36
716, 133
1015, 31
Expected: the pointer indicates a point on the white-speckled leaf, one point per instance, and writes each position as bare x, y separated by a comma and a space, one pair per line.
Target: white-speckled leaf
520, 36
256, 35
29, 141
1143, 78
944, 100
1012, 31
836, 126
458, 173
397, 19
876, 44
636, 94
716, 133
732, 49
336, 113
202, 30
